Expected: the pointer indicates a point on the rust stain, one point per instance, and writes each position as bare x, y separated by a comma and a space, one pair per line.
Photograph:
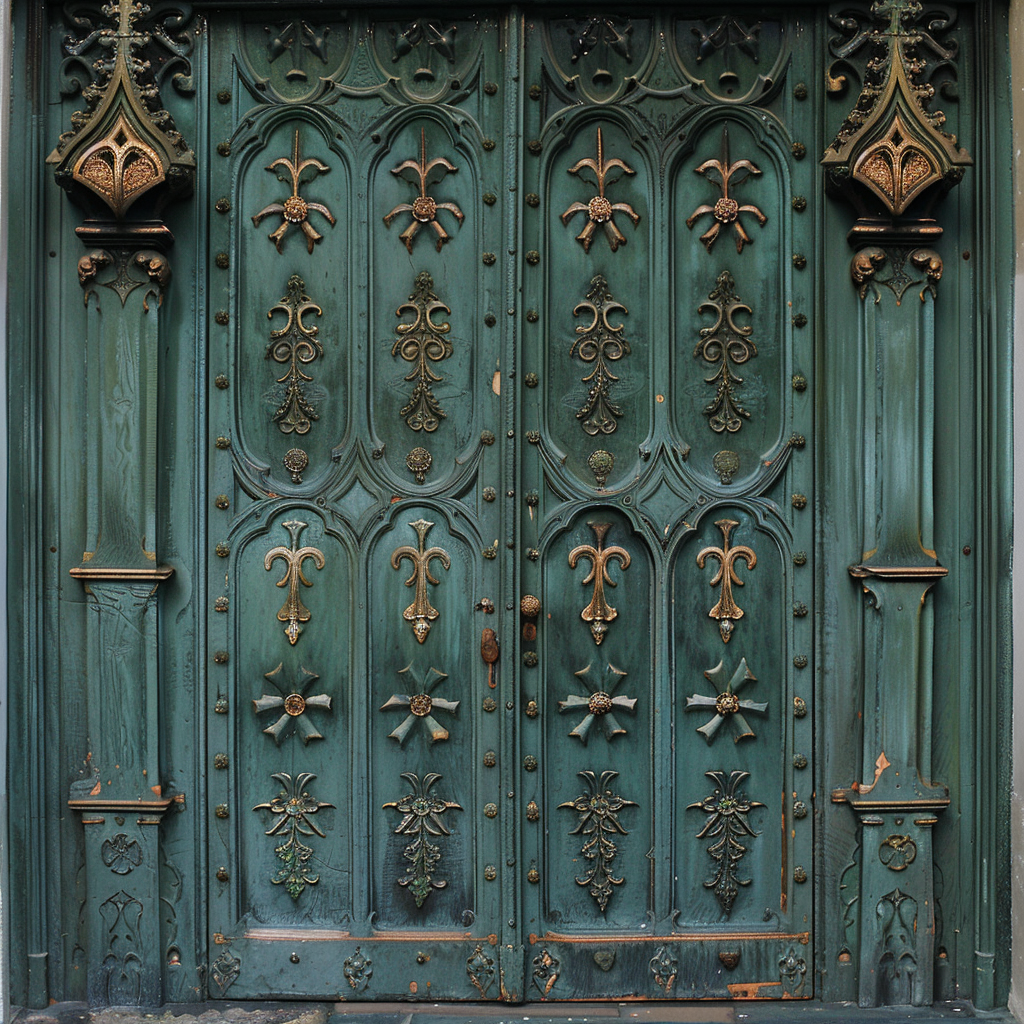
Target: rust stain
496, 382
95, 791
157, 790
492, 939
755, 990
413, 987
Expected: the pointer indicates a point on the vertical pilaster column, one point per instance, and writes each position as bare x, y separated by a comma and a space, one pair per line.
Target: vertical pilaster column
893, 160
122, 162
895, 801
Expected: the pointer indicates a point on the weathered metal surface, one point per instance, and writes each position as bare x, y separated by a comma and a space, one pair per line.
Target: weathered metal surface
421, 844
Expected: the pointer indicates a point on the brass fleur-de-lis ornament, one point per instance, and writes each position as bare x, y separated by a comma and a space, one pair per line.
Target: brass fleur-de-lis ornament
293, 611
599, 612
600, 210
295, 209
421, 613
424, 208
726, 611
726, 210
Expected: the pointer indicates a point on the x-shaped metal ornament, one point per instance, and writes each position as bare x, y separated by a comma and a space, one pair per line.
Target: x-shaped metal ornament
599, 703
292, 701
420, 707
728, 707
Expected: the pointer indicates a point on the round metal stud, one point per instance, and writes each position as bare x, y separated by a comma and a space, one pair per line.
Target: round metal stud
490, 810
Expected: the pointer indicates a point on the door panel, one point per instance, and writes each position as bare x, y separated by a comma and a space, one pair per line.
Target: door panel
510, 389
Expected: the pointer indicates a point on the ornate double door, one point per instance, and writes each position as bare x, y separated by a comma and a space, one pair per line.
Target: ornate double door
511, 511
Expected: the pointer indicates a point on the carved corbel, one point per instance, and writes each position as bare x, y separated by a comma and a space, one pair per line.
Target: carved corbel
892, 158
123, 160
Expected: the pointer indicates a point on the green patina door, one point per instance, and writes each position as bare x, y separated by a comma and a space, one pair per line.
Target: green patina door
513, 560
508, 530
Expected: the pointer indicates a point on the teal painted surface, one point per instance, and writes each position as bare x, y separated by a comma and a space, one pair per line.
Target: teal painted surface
662, 508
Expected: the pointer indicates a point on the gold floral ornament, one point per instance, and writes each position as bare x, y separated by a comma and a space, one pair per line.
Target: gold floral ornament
726, 611
295, 210
293, 809
421, 613
726, 210
599, 612
424, 208
293, 611
601, 210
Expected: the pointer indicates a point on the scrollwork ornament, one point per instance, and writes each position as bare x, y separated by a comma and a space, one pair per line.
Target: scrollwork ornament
726, 824
295, 345
422, 818
725, 342
422, 342
599, 343
598, 809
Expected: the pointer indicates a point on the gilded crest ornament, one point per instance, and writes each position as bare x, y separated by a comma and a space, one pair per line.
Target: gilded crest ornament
599, 612
295, 345
422, 818
420, 707
421, 613
726, 611
422, 342
600, 211
293, 611
726, 210
725, 342
600, 343
892, 150
424, 208
598, 809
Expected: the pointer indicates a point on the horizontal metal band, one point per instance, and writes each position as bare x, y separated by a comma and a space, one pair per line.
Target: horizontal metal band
103, 574
899, 572
802, 937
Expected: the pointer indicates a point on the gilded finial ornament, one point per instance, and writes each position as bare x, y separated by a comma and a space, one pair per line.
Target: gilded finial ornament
600, 211
295, 209
424, 208
421, 613
293, 611
726, 210
124, 145
891, 146
726, 611
599, 612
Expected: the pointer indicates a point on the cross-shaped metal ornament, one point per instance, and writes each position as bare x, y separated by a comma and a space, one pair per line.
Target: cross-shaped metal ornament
599, 704
728, 707
420, 706
293, 703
